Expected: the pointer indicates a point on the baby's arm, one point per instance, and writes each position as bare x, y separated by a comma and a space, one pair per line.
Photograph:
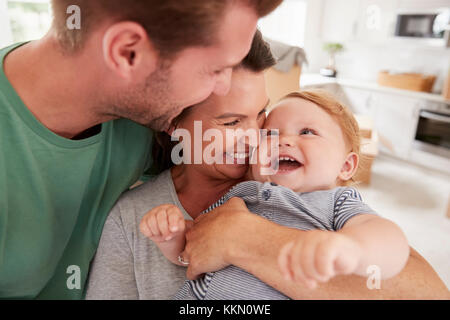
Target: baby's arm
382, 243
166, 227
363, 241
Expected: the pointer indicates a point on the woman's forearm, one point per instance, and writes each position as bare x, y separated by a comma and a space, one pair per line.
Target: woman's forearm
231, 235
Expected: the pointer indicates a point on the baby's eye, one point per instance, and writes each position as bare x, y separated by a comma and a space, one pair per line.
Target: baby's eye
307, 131
272, 132
232, 123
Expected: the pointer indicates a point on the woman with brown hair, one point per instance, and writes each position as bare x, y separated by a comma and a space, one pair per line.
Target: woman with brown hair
127, 264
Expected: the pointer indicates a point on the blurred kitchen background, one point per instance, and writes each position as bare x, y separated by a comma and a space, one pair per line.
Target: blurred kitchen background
389, 61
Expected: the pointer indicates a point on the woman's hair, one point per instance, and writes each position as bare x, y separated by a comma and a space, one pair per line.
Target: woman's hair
258, 59
340, 113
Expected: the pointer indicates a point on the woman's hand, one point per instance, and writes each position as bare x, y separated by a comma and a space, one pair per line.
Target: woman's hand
210, 242
317, 256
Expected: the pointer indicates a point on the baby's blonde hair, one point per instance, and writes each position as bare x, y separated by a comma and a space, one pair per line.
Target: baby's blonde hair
340, 113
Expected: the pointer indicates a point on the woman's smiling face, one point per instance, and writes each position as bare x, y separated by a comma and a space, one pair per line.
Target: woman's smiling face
244, 107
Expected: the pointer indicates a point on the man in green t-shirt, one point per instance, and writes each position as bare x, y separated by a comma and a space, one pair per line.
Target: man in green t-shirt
76, 112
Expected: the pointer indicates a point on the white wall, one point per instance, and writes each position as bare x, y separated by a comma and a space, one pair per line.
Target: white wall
369, 51
422, 4
5, 30
313, 36
287, 23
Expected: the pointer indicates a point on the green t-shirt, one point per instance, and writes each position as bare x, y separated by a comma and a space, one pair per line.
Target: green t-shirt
55, 195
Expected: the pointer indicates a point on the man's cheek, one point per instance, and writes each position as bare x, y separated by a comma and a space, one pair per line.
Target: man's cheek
196, 93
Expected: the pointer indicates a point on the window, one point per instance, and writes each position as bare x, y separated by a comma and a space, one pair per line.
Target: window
287, 23
25, 20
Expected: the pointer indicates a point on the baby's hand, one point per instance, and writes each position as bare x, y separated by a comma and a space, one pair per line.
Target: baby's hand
317, 256
163, 223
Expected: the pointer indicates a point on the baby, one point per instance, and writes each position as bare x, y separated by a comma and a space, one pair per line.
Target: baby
318, 156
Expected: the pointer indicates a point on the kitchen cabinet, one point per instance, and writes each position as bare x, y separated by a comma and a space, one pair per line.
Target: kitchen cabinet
395, 117
395, 114
360, 101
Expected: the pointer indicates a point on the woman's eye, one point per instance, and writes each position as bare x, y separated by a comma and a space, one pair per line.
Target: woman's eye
233, 123
307, 131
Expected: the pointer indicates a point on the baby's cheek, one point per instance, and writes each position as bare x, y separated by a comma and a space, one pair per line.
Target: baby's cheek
318, 159
329, 167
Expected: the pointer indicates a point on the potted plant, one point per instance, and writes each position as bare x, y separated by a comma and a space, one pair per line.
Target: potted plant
332, 48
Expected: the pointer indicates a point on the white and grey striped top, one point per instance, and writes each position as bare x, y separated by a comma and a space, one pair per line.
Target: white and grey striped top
325, 210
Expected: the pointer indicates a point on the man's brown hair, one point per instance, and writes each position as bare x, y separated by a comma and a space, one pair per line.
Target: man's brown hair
172, 25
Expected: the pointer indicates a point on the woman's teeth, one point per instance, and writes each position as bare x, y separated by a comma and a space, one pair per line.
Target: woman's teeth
237, 155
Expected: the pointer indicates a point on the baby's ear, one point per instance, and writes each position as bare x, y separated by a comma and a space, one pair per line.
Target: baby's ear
349, 167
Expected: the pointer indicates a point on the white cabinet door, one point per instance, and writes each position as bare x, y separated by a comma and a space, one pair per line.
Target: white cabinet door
395, 120
360, 101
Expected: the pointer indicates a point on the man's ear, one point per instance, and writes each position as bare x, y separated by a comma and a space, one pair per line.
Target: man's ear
128, 51
349, 167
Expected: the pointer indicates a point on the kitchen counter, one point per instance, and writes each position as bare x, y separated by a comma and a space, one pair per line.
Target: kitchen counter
313, 79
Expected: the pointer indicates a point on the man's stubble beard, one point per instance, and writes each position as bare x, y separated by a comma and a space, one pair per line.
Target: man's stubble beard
149, 104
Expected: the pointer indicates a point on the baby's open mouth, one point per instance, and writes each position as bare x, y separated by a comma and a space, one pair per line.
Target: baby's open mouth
287, 164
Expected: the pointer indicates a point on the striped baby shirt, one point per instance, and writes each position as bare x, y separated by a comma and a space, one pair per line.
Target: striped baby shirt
324, 210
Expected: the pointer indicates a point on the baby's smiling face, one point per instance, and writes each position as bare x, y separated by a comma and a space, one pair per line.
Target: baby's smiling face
313, 154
